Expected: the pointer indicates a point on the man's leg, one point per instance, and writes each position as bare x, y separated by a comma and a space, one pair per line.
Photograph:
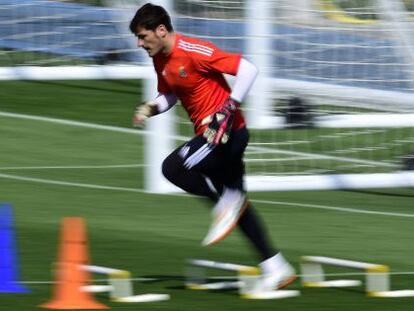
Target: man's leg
223, 166
253, 228
219, 165
190, 180
277, 272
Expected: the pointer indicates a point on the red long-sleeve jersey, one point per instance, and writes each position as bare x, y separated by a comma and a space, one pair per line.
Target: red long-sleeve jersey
193, 72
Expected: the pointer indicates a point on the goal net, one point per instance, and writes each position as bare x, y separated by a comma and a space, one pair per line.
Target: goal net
332, 108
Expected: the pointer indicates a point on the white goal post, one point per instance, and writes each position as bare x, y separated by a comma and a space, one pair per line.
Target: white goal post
355, 76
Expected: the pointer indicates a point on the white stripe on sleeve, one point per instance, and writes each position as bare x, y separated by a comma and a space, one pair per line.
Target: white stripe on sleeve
193, 47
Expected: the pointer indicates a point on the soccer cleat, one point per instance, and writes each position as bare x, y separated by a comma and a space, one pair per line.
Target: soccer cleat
226, 214
278, 280
277, 273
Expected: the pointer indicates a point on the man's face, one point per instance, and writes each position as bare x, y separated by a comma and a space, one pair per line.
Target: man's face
151, 40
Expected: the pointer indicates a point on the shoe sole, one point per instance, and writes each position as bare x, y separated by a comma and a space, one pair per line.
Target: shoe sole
287, 282
227, 232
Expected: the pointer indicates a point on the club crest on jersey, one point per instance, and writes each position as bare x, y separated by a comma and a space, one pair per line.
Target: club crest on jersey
181, 71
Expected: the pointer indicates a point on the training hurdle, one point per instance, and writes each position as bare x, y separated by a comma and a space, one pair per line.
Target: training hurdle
377, 280
248, 280
120, 287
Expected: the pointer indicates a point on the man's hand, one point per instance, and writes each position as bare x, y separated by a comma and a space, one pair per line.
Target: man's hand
220, 123
143, 112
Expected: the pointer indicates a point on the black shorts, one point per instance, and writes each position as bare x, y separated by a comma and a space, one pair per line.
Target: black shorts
222, 164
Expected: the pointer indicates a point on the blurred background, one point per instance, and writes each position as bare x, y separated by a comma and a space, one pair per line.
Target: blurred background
329, 165
324, 64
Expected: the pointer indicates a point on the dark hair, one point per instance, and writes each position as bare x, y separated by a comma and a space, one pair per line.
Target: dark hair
150, 16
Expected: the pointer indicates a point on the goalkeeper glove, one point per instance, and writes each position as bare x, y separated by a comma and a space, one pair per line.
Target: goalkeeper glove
220, 123
143, 112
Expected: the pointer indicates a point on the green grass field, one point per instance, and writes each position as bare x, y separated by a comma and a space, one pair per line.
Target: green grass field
49, 171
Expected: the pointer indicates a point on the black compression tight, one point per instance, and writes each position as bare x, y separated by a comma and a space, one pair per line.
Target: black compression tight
224, 167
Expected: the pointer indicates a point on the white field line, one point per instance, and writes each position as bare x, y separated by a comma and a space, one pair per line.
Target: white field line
259, 160
326, 274
321, 156
70, 184
101, 187
71, 167
334, 208
117, 129
182, 138
83, 124
72, 123
223, 277
95, 280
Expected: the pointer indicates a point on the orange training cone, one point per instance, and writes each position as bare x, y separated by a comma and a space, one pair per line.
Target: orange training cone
70, 277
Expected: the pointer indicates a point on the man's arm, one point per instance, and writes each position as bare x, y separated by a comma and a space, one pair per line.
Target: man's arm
160, 104
245, 77
221, 122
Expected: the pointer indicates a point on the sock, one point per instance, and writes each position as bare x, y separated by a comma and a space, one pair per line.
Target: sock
274, 263
253, 228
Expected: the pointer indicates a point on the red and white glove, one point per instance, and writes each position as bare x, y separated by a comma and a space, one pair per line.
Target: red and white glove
220, 123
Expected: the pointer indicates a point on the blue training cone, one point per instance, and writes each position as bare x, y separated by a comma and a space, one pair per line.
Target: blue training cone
8, 259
